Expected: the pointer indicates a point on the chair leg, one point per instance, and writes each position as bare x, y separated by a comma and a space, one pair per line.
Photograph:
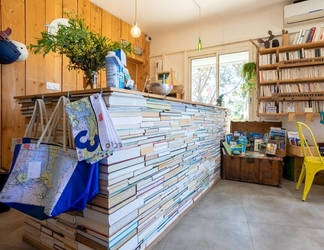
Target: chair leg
308, 184
301, 177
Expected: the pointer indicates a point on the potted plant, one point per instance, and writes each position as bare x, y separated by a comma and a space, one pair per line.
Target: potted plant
248, 74
220, 100
85, 49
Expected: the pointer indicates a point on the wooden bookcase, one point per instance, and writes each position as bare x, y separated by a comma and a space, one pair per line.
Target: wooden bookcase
291, 79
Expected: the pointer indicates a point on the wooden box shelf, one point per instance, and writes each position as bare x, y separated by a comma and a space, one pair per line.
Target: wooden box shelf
260, 169
266, 170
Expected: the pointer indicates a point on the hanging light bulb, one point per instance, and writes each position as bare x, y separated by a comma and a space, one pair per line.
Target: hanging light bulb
199, 44
135, 31
199, 38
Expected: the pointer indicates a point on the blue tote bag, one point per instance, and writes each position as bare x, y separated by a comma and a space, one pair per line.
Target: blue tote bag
47, 179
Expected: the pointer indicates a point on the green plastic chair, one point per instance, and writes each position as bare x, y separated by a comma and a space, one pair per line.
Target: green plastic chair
312, 164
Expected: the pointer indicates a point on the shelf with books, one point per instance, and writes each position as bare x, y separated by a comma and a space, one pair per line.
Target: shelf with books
296, 74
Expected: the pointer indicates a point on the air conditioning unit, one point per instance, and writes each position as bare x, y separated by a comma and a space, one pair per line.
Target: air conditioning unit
311, 10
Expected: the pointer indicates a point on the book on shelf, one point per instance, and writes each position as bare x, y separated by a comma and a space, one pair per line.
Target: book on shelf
271, 109
86, 241
271, 148
31, 229
98, 237
120, 213
68, 243
122, 155
122, 99
293, 138
257, 143
127, 242
278, 136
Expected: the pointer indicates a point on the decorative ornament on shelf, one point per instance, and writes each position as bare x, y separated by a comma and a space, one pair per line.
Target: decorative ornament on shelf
267, 42
85, 49
285, 37
248, 74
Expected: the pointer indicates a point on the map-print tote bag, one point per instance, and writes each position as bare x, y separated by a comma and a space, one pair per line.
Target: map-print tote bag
94, 133
47, 179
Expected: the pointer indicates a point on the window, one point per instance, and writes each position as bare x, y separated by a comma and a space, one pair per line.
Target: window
212, 76
230, 83
203, 80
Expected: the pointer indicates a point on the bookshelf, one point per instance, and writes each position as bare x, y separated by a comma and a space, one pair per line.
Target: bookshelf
291, 80
170, 160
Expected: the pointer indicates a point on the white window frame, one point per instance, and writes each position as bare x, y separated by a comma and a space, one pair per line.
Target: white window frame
218, 50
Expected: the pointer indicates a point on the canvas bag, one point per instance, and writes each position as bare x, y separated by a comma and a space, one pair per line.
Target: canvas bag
35, 126
47, 179
94, 133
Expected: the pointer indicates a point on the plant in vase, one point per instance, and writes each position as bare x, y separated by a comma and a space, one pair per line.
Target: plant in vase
85, 49
220, 100
248, 74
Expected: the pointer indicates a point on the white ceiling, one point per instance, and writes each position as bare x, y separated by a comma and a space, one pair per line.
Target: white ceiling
159, 15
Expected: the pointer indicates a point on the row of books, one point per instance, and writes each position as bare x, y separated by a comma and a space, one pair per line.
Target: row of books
267, 90
301, 54
291, 73
301, 106
313, 34
171, 156
270, 90
268, 75
267, 59
301, 73
291, 56
302, 87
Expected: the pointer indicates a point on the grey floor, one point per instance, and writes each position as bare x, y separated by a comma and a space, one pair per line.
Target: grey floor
233, 215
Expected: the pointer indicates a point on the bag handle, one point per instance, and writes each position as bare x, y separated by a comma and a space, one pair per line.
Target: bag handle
58, 114
39, 117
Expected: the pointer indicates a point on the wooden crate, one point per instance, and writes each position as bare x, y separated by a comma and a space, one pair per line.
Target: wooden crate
297, 165
265, 170
259, 127
297, 151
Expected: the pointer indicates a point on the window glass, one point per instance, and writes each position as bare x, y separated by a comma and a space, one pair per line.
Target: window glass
230, 84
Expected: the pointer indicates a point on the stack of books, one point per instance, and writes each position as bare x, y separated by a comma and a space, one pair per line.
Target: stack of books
170, 157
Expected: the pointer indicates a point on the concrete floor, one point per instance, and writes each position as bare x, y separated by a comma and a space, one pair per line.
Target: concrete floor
233, 215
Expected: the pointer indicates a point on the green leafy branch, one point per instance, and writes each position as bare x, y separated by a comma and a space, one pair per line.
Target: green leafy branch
85, 49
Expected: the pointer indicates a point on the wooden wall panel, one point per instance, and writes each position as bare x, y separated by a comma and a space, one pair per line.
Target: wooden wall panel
53, 61
115, 30
106, 25
95, 25
84, 12
35, 64
27, 18
69, 78
12, 80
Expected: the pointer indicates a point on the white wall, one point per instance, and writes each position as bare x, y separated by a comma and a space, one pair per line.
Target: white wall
173, 46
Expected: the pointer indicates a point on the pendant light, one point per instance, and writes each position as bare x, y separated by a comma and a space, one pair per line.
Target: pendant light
135, 31
199, 38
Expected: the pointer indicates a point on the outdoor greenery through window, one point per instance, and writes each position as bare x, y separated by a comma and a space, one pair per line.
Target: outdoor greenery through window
203, 80
208, 82
230, 84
